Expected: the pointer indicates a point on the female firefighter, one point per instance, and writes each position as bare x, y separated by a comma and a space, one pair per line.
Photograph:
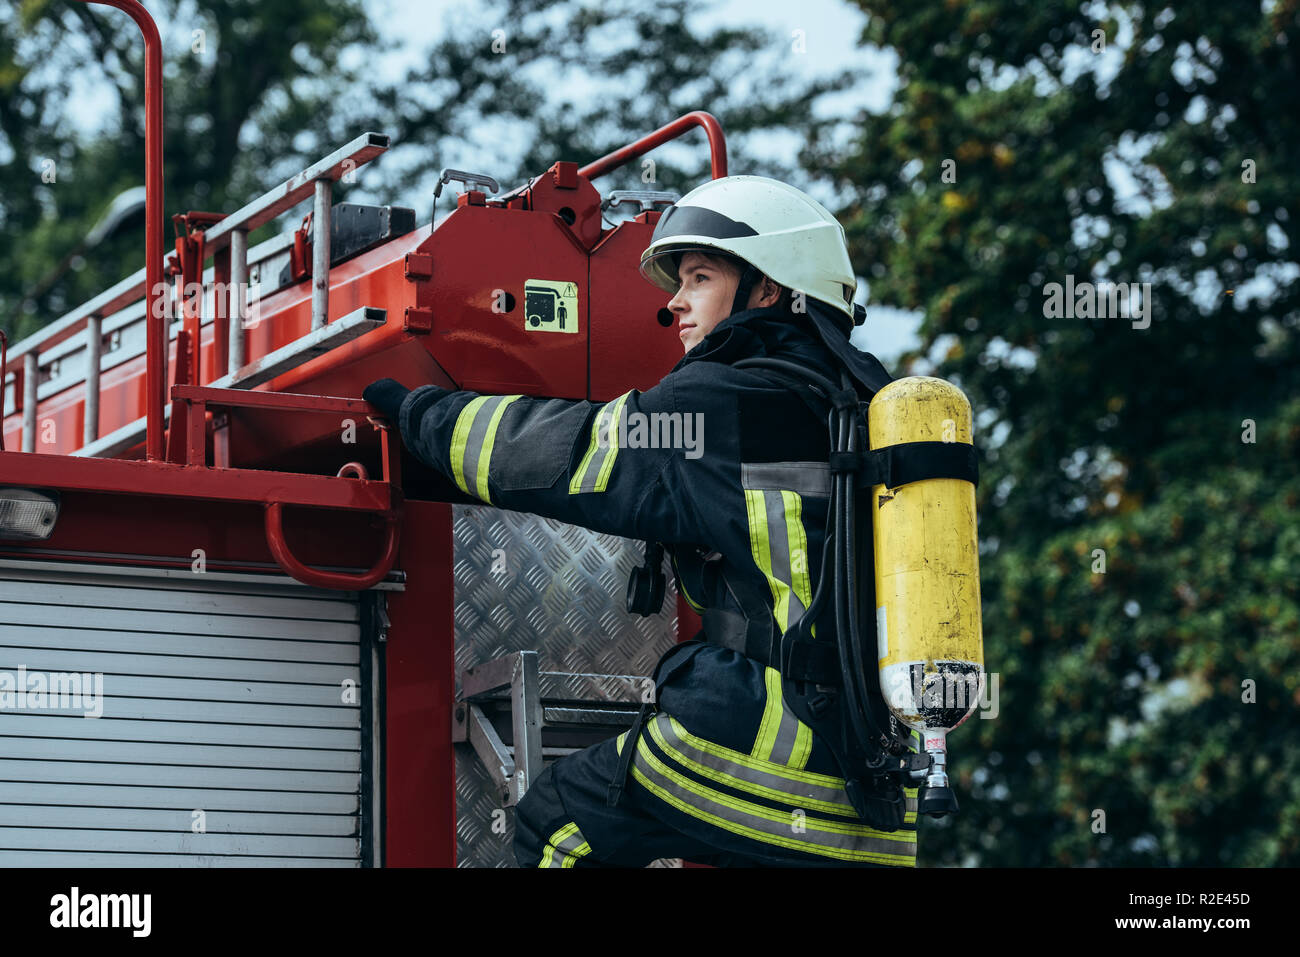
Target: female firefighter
746, 757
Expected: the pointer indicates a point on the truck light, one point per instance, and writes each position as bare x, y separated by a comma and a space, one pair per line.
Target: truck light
27, 514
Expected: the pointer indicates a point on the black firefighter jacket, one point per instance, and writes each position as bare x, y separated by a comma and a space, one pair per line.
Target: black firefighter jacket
727, 468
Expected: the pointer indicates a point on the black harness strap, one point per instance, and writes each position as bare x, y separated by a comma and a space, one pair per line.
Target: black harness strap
615, 794
738, 618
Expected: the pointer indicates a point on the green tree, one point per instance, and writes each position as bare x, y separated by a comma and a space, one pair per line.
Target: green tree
269, 92
1169, 452
250, 92
519, 65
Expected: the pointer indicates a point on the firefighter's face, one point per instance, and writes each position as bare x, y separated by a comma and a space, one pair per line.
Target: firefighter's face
707, 290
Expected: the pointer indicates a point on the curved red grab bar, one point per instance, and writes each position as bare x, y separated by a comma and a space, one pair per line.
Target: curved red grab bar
317, 578
712, 128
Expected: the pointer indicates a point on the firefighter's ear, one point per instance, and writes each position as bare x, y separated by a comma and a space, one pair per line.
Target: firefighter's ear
770, 292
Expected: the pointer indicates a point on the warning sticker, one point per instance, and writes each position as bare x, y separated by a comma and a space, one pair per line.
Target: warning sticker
550, 306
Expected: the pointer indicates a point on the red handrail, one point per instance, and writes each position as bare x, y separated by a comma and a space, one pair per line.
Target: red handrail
318, 578
713, 129
155, 320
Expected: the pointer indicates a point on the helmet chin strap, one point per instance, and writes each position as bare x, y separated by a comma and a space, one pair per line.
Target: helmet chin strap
747, 281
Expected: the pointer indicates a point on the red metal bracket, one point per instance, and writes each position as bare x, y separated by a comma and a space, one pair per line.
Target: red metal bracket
190, 256
417, 321
419, 266
300, 254
565, 175
178, 429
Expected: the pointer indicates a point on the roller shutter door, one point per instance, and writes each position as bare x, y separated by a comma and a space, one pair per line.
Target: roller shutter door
234, 720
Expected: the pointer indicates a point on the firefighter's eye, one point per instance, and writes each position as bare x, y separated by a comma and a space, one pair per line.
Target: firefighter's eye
700, 274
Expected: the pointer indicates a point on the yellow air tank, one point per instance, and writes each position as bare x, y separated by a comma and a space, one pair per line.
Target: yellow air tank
930, 642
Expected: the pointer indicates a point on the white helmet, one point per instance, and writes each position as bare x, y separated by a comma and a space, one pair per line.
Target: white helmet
779, 230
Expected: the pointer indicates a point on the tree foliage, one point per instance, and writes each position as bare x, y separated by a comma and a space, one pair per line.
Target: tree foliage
248, 86
279, 83
1168, 452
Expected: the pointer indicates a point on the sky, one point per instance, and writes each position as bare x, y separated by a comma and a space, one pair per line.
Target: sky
830, 32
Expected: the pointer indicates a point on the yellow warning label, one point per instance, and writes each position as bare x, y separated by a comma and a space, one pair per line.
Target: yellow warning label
550, 306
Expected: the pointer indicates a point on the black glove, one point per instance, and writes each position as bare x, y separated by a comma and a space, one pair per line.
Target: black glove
386, 395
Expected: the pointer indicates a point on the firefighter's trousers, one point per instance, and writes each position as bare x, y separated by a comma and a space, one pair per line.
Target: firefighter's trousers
564, 820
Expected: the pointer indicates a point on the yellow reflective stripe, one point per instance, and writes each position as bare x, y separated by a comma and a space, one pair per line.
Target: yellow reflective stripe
756, 509
618, 745
553, 842
570, 856
460, 437
802, 746
485, 453
606, 422
698, 609
559, 836
760, 790
575, 484
681, 588
754, 810
803, 777
798, 539
767, 728
612, 452
760, 547
760, 544
800, 581
770, 769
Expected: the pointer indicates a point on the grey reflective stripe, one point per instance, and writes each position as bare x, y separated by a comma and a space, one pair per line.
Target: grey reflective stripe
474, 446
783, 747
778, 536
806, 478
564, 847
781, 736
801, 789
474, 442
596, 465
792, 829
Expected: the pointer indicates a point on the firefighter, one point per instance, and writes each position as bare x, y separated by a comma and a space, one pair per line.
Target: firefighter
744, 757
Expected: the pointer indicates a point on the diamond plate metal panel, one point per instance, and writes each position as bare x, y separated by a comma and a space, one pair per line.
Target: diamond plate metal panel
523, 582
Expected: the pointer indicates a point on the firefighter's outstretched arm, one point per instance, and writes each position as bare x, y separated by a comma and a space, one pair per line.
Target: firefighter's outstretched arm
639, 466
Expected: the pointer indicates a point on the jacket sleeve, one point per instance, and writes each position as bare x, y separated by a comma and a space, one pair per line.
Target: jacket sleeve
645, 465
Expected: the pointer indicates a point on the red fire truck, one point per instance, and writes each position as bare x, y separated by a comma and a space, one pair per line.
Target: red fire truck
239, 628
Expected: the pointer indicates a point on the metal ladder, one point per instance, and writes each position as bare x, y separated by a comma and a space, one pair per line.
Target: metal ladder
515, 716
